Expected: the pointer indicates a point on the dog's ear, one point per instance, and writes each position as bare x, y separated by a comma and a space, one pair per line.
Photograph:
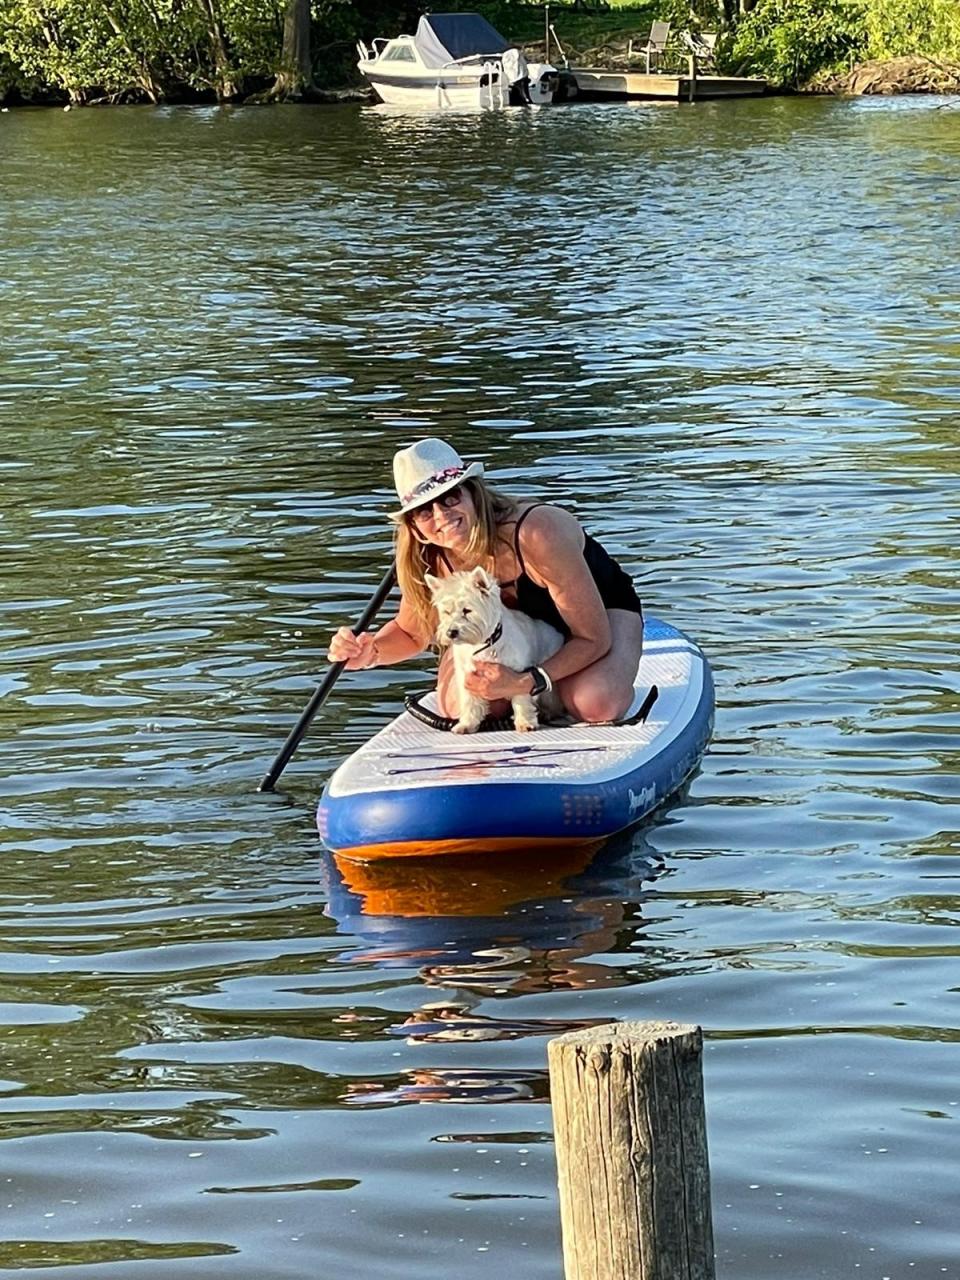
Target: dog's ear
481, 579
431, 583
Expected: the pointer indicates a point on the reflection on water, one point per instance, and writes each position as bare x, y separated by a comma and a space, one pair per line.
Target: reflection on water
726, 337
442, 1020
486, 925
514, 924
439, 1085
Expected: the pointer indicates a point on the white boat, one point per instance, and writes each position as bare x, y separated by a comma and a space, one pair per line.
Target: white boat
454, 60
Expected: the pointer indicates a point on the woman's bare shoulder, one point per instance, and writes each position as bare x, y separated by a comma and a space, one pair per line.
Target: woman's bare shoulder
544, 526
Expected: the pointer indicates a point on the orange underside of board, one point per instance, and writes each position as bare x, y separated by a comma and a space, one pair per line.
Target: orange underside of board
436, 848
467, 882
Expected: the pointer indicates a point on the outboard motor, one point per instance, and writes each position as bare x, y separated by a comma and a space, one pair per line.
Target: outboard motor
542, 84
529, 82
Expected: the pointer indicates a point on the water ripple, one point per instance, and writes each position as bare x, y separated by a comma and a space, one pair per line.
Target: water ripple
725, 337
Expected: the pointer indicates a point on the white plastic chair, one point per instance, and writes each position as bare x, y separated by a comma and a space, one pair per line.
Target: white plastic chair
656, 43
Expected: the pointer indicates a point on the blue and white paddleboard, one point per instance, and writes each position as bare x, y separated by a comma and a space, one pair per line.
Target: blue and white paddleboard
413, 790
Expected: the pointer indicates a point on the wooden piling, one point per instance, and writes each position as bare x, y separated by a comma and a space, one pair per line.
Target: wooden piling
631, 1145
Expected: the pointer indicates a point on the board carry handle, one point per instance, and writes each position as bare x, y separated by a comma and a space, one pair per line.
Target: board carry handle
498, 724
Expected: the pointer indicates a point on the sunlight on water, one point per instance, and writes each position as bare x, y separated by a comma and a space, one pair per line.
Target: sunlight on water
726, 338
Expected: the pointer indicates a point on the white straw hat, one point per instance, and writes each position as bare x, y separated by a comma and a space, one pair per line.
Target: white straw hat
426, 470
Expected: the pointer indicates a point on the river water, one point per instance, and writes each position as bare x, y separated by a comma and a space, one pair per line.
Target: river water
726, 336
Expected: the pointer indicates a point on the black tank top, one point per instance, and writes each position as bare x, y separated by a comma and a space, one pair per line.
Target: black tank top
614, 584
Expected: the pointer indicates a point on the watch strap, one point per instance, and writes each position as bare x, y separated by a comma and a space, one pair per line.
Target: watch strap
541, 681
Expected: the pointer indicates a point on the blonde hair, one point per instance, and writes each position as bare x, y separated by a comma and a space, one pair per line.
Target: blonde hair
415, 557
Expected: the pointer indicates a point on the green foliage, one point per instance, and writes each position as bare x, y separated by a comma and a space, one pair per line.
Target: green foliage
12, 79
64, 44
254, 33
789, 40
690, 15
898, 28
102, 48
122, 50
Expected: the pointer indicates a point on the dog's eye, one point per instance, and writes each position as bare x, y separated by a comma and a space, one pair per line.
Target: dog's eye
467, 613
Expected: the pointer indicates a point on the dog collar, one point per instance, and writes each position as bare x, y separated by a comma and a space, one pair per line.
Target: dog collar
497, 633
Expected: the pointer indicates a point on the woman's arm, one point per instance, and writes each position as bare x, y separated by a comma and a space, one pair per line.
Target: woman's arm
396, 641
551, 542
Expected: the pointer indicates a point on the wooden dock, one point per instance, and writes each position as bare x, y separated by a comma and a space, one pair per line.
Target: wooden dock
598, 84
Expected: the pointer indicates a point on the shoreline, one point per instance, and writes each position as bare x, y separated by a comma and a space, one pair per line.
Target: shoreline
892, 77
318, 97
916, 75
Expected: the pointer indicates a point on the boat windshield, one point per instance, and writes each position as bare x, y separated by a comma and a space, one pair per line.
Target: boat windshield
399, 53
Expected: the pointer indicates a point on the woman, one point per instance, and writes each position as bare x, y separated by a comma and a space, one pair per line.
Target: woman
450, 520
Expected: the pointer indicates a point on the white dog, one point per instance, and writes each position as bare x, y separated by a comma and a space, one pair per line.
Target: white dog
475, 624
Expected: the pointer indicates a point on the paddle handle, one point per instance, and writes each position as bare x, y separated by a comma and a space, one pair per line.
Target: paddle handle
322, 691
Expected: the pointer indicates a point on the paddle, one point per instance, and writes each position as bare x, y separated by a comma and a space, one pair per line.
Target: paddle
326, 684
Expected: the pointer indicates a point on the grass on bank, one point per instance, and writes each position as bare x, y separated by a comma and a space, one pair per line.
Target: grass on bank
583, 29
578, 30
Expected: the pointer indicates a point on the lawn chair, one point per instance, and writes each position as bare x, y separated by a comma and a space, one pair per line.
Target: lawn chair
702, 46
656, 43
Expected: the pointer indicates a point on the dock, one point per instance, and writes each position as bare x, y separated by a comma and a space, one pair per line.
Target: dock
599, 84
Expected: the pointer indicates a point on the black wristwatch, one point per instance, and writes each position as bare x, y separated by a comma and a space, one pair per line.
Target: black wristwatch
541, 681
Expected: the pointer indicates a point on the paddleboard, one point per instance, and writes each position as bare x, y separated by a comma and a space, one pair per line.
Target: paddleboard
413, 790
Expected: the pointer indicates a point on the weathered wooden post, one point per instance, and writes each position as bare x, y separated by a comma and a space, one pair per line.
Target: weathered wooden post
692, 76
631, 1142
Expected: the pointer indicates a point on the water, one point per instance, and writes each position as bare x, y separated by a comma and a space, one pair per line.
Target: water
726, 337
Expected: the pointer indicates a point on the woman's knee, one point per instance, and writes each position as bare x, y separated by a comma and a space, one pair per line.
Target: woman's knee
596, 704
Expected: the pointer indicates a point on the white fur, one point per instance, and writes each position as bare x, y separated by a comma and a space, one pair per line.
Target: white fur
469, 608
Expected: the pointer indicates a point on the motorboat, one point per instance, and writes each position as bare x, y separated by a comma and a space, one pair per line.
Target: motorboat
454, 60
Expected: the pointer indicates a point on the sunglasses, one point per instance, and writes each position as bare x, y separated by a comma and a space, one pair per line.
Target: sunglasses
451, 498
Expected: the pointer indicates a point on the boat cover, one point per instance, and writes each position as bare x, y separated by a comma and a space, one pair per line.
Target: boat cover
445, 37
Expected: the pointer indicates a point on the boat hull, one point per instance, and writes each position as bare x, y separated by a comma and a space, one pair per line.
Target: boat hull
435, 92
413, 791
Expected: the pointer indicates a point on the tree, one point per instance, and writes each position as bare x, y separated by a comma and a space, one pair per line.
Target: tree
295, 77
224, 80
138, 59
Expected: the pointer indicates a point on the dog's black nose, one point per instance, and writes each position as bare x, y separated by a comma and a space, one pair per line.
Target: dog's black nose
453, 633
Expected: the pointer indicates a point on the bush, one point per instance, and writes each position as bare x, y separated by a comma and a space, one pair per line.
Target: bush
788, 41
899, 28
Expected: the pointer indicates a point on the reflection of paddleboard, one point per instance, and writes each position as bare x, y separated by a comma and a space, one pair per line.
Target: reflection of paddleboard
416, 790
459, 886
519, 909
523, 923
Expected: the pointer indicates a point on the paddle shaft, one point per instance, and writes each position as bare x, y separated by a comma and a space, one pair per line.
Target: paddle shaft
326, 684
